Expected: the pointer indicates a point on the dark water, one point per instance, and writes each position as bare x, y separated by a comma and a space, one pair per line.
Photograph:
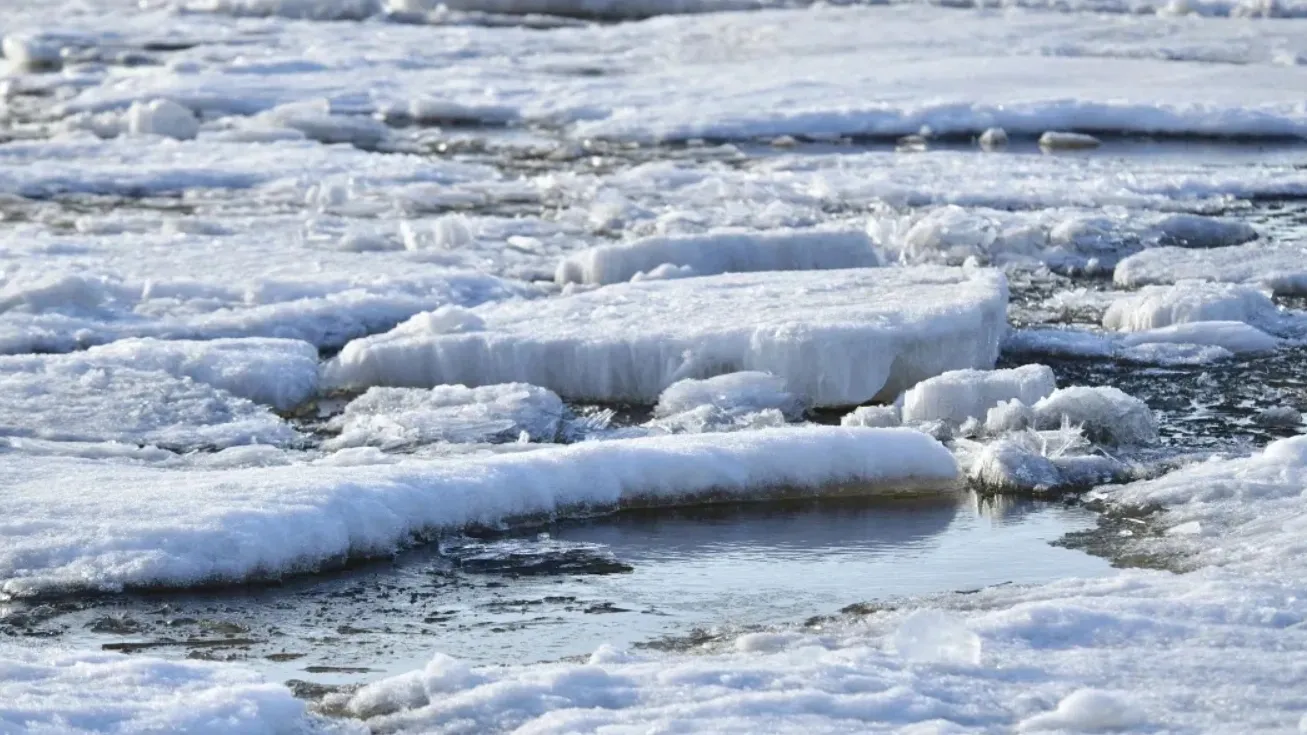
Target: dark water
633, 579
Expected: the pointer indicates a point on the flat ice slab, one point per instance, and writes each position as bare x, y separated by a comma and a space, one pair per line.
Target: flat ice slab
837, 337
1280, 267
720, 252
71, 523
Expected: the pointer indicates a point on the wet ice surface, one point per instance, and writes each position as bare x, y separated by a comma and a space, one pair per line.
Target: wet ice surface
664, 580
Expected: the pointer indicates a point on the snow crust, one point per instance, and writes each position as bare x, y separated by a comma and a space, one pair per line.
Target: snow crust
720, 252
880, 330
147, 525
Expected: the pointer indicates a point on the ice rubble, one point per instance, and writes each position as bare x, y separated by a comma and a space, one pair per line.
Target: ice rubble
872, 416
721, 252
878, 331
958, 395
1155, 307
1107, 415
82, 398
392, 418
744, 391
1279, 267
145, 525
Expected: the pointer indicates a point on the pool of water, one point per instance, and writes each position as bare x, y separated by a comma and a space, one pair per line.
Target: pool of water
652, 578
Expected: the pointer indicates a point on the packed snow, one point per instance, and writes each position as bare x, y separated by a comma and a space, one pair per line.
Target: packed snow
878, 330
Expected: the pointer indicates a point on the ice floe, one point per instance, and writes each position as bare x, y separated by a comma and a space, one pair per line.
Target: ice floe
1279, 267
878, 330
144, 525
958, 395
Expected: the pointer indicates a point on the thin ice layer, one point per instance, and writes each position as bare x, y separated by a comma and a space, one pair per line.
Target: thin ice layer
78, 398
399, 417
877, 331
143, 525
721, 252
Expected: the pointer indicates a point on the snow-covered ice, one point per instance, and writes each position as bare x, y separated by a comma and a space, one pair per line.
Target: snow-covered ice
1279, 267
877, 330
1155, 307
720, 252
147, 525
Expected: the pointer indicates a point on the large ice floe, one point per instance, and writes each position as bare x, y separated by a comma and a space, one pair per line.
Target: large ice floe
1279, 267
151, 526
836, 337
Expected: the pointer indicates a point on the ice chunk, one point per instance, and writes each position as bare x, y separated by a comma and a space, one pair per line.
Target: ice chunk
281, 373
935, 637
147, 525
1087, 710
1195, 231
1189, 301
878, 330
962, 394
1283, 416
399, 417
162, 117
721, 252
872, 416
744, 391
32, 51
993, 139
1233, 336
303, 9
1012, 415
1280, 267
76, 398
315, 119
1107, 415
1054, 140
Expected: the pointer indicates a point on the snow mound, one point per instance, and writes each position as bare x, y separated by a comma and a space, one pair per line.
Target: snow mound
390, 418
1107, 415
1278, 267
878, 331
146, 525
872, 417
1234, 337
958, 395
78, 398
281, 373
721, 252
54, 691
1189, 301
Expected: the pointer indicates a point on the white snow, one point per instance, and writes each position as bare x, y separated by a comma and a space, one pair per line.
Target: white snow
877, 331
1107, 415
1154, 307
721, 252
390, 418
958, 395
146, 525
